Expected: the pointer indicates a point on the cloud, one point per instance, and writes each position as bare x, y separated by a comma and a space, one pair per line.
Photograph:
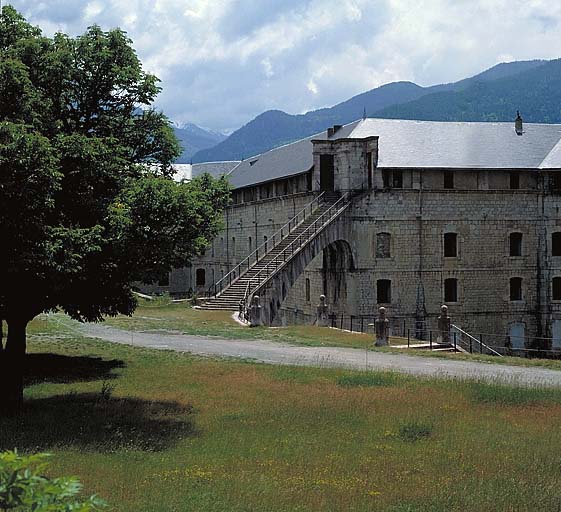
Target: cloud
224, 61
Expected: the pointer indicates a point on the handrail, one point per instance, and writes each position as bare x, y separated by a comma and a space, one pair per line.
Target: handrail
473, 338
231, 276
291, 247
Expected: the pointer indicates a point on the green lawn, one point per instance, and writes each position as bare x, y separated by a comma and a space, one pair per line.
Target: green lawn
161, 431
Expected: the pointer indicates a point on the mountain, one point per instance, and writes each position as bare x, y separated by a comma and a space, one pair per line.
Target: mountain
275, 128
193, 138
536, 93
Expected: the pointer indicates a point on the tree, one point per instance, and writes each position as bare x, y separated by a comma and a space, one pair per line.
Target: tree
87, 203
24, 487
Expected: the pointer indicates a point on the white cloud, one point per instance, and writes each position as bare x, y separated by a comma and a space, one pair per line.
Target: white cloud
224, 61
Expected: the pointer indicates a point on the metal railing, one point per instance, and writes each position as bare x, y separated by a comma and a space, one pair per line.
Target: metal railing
262, 250
298, 243
468, 342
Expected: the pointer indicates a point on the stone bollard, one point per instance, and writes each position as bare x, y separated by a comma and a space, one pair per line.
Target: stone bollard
444, 324
382, 327
255, 312
322, 319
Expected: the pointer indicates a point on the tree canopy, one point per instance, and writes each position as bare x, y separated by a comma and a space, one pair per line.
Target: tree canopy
87, 203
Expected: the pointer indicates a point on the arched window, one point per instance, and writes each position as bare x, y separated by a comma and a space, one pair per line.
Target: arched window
307, 290
450, 245
383, 291
383, 245
556, 244
451, 290
515, 243
201, 277
515, 288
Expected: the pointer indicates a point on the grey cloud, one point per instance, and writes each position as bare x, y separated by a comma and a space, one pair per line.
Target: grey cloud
224, 61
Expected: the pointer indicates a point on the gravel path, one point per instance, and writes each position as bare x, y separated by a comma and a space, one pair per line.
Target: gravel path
281, 353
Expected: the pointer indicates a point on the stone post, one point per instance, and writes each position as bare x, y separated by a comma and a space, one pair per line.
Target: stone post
255, 312
382, 329
444, 324
322, 314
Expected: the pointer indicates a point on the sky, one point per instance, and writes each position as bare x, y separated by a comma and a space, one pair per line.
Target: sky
222, 62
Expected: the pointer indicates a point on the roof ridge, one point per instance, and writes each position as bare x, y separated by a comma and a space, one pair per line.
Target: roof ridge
555, 146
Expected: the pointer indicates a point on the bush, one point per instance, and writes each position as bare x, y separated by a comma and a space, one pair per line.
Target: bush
23, 487
414, 431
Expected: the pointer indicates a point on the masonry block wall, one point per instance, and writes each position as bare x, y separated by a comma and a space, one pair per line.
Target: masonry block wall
398, 235
482, 220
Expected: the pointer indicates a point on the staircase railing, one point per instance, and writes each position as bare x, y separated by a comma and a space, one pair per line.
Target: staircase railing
300, 241
467, 342
262, 250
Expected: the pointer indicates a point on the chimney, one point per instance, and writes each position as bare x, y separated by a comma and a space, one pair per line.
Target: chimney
518, 126
334, 130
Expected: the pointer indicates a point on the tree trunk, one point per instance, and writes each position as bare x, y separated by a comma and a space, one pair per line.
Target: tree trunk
12, 361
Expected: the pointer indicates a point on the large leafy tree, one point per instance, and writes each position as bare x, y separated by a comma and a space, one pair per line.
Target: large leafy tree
87, 204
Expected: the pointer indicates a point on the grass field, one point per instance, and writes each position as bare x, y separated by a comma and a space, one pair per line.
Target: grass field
160, 431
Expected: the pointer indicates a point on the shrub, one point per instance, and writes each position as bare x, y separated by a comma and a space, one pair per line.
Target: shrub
414, 431
23, 487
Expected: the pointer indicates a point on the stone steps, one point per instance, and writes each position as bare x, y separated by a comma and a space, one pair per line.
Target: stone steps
231, 296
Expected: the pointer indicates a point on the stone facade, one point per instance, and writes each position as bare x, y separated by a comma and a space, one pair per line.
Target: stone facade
480, 241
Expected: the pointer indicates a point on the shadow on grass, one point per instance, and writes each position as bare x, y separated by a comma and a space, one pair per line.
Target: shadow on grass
96, 421
64, 369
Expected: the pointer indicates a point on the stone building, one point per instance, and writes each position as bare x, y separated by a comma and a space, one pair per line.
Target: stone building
412, 215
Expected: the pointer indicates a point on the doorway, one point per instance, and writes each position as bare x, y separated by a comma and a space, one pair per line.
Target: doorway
326, 173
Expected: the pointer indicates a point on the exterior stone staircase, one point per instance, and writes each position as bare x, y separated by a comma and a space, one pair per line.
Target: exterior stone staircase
228, 293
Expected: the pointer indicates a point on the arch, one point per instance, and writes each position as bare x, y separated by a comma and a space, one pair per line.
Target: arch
332, 242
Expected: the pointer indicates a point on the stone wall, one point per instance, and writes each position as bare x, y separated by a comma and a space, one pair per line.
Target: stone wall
481, 210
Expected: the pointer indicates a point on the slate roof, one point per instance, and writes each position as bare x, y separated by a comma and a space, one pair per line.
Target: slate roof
419, 144
452, 145
282, 162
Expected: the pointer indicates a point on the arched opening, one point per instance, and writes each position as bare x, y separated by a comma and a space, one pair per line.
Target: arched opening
337, 262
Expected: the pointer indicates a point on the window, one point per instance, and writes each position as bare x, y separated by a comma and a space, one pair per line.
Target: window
397, 179
556, 288
383, 245
516, 288
556, 181
233, 247
164, 281
369, 168
450, 245
307, 289
386, 179
450, 290
265, 240
201, 277
556, 244
448, 179
515, 240
384, 291
249, 244
514, 180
